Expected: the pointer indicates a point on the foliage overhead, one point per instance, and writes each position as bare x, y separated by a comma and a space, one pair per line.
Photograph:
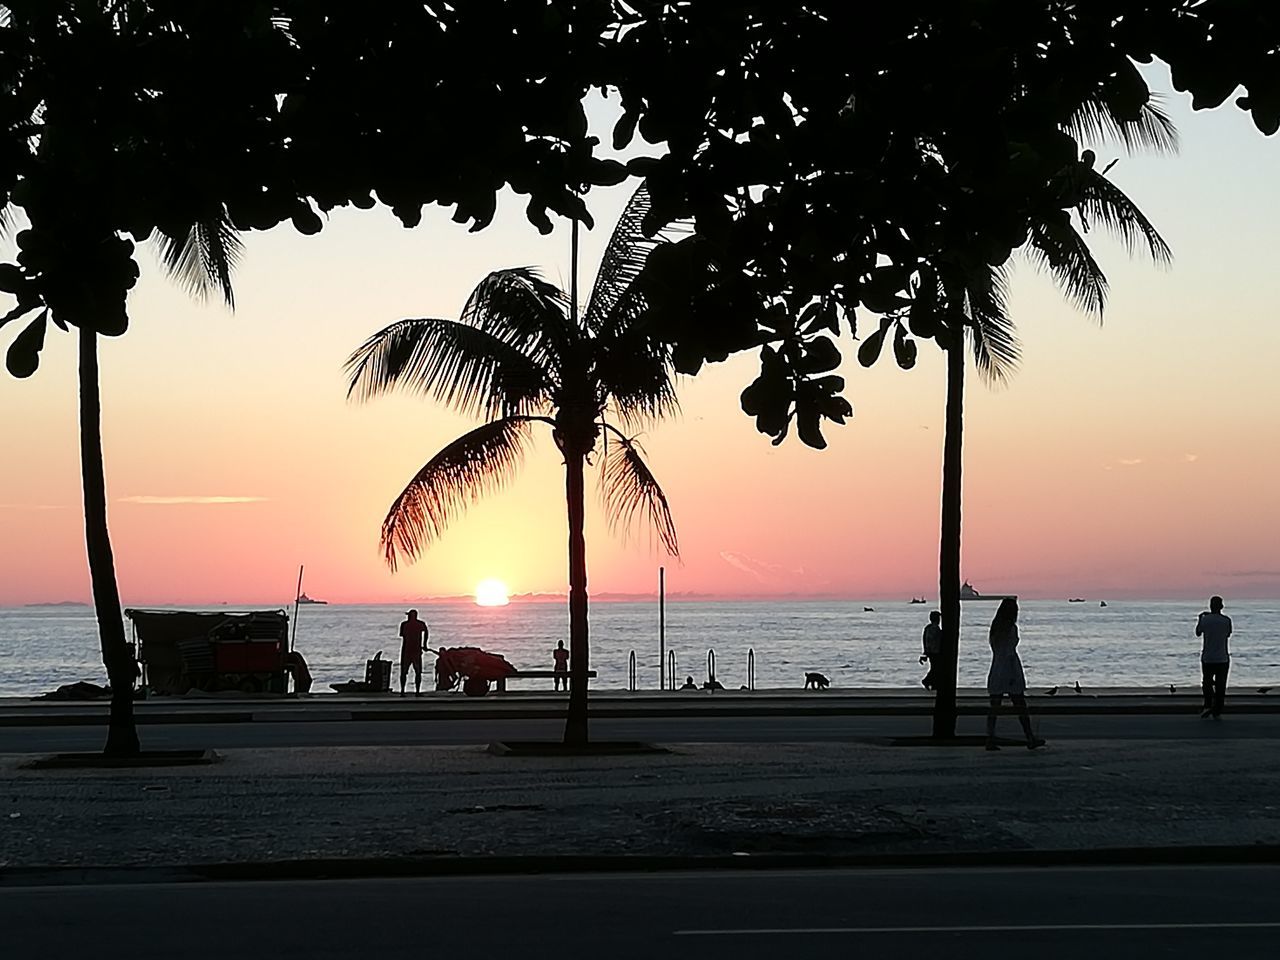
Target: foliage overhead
828, 151
824, 150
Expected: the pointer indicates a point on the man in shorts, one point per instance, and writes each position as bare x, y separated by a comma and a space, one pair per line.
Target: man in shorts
413, 640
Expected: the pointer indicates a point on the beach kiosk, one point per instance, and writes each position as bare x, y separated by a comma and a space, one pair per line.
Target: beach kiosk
183, 650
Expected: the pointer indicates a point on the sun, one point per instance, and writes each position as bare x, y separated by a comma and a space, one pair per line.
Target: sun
491, 593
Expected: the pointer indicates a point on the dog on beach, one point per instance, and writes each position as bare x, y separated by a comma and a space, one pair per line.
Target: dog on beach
816, 681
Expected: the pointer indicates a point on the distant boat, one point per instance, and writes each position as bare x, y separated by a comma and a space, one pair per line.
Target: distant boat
868, 609
967, 592
1103, 603
918, 600
1076, 600
304, 599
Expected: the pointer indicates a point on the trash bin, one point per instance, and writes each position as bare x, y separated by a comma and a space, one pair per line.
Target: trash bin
377, 674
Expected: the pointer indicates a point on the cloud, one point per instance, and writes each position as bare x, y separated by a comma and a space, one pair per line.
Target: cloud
762, 570
1190, 457
1243, 574
1130, 462
32, 506
205, 501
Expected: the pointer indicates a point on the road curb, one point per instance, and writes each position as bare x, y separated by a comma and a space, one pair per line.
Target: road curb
460, 866
382, 715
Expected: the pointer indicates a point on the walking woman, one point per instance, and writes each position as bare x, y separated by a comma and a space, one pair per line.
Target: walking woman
1005, 676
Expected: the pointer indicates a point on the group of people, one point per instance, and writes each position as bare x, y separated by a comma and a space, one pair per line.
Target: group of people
1006, 677
414, 637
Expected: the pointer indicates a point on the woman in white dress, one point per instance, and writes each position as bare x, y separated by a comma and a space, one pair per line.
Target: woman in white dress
1006, 677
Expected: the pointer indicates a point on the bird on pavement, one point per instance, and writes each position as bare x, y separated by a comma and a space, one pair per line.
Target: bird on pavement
1051, 692
1078, 690
1172, 688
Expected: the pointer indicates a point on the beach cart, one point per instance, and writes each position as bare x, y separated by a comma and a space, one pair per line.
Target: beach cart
184, 650
475, 668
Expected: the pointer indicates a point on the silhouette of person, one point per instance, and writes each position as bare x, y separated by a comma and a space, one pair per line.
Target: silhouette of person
413, 640
1214, 627
561, 657
445, 677
932, 641
689, 684
1005, 677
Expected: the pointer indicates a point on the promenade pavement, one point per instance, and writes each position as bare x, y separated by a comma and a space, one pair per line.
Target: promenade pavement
700, 800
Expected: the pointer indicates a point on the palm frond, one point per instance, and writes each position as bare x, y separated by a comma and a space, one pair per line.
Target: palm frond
523, 310
1152, 129
468, 369
477, 463
996, 348
1054, 244
628, 489
624, 258
1104, 203
635, 374
202, 256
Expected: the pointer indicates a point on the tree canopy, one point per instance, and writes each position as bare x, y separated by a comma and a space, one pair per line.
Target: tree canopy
824, 149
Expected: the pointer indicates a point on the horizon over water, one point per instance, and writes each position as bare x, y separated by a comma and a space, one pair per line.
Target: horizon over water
1126, 644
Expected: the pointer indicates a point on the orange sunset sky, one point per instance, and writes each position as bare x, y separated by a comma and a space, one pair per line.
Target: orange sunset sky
1139, 458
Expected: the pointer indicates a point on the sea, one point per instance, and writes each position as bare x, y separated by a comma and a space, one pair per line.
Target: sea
857, 644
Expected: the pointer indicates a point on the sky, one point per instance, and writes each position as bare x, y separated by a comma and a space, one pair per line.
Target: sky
1134, 458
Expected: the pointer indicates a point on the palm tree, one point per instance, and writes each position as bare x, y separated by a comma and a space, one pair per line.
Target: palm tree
968, 301
201, 257
521, 354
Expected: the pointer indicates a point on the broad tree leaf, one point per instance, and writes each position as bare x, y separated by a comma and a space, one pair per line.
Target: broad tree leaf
23, 358
904, 349
869, 352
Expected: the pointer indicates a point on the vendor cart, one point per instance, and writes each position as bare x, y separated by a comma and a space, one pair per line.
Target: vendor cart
183, 650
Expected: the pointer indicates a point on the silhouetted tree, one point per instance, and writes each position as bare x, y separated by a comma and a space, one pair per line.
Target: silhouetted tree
912, 129
120, 120
521, 354
959, 300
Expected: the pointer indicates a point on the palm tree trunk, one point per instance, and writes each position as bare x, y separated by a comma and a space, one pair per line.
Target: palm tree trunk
122, 733
944, 707
575, 727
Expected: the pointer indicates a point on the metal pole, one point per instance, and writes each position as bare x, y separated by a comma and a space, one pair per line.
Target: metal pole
662, 628
297, 596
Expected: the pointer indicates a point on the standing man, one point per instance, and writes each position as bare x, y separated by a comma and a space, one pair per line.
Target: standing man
561, 671
932, 640
1214, 627
413, 640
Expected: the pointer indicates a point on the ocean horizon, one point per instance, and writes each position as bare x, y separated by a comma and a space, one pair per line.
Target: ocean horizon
1128, 643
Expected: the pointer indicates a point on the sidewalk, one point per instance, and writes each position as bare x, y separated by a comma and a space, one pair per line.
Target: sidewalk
445, 805
605, 703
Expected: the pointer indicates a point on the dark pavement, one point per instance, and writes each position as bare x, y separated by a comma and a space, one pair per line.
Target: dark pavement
1050, 913
689, 729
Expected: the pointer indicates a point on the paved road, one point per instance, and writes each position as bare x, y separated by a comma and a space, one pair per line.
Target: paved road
660, 729
1049, 913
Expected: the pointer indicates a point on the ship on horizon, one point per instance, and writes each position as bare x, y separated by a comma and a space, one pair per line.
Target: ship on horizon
967, 592
304, 599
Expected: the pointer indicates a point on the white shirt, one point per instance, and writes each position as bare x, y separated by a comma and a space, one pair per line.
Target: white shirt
1214, 628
